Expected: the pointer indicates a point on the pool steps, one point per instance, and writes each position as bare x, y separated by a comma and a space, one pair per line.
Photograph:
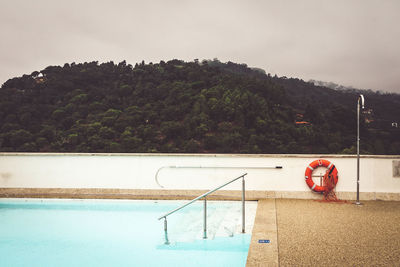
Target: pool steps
204, 197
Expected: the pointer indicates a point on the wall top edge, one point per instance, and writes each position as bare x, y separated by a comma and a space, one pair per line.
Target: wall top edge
2, 154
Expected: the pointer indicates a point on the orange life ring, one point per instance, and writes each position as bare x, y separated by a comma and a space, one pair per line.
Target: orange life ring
320, 163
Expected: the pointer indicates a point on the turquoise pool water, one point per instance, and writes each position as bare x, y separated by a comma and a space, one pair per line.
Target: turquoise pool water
113, 233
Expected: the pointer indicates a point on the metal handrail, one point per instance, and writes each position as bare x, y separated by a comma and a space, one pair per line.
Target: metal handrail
201, 196
205, 207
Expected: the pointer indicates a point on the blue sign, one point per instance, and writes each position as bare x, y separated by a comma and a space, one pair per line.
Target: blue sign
264, 241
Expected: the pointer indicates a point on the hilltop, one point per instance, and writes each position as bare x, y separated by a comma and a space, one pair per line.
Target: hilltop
188, 107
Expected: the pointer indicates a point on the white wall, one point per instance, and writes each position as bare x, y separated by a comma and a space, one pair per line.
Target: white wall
138, 171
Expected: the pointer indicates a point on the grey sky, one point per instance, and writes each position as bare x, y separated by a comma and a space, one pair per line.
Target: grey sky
349, 42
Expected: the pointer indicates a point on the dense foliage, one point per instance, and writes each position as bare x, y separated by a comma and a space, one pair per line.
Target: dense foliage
181, 106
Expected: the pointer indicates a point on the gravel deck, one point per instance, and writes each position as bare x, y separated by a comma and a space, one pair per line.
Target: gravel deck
312, 233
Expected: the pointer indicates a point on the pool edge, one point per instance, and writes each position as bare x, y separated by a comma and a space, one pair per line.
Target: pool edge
263, 250
114, 193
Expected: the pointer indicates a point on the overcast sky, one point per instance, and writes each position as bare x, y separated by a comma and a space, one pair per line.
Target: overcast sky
349, 42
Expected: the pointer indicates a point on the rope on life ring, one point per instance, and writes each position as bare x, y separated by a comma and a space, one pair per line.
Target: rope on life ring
331, 171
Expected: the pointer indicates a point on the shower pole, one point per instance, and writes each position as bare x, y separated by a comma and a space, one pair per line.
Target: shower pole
360, 99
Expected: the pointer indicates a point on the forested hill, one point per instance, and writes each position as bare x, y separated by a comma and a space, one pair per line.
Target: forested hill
188, 107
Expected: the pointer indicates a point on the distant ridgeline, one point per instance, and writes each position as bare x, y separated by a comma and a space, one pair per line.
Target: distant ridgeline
188, 107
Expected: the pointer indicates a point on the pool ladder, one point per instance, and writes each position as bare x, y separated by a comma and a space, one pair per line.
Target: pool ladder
205, 208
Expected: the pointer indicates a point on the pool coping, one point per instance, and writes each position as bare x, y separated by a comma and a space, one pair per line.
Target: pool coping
115, 193
263, 250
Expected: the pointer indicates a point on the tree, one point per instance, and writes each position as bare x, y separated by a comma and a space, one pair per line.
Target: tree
20, 137
185, 107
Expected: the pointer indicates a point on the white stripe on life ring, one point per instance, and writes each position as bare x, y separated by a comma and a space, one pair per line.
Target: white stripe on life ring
311, 168
312, 188
330, 165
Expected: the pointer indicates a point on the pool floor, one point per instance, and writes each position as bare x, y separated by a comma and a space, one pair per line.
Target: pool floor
118, 233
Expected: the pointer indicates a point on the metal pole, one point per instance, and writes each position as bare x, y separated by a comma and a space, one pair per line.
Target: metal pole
360, 98
243, 205
205, 219
166, 231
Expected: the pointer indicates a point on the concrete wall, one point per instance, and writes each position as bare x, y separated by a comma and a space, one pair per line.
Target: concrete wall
190, 172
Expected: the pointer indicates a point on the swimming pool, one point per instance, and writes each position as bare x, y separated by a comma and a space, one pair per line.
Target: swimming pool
120, 233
